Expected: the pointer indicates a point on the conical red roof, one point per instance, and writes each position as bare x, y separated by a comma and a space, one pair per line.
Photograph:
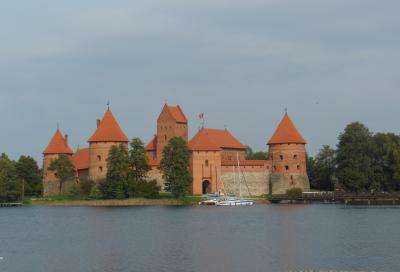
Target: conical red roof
57, 145
108, 130
286, 133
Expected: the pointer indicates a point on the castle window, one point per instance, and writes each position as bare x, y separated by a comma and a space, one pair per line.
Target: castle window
298, 167
295, 156
206, 162
286, 167
281, 156
101, 168
98, 157
165, 137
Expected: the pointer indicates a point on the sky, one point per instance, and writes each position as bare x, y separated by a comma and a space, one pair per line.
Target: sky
240, 62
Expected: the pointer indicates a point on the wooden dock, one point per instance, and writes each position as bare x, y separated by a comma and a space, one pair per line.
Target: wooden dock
345, 198
11, 204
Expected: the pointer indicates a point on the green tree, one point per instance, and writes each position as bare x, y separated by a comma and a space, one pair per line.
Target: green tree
115, 185
324, 167
29, 173
259, 155
311, 171
355, 169
386, 161
63, 169
175, 167
10, 185
138, 166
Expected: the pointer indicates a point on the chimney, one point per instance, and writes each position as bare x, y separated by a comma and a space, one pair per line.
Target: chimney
98, 122
66, 138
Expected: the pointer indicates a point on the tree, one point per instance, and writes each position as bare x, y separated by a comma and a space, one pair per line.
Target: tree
115, 185
175, 167
138, 166
386, 161
355, 169
323, 169
10, 186
30, 174
259, 155
63, 169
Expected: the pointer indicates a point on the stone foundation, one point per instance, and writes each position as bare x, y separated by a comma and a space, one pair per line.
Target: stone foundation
257, 183
53, 187
280, 183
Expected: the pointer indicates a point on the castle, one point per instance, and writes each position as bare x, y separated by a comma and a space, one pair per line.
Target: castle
213, 162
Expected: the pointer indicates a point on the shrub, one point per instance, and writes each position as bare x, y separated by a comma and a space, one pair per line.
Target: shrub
75, 191
95, 192
86, 186
294, 193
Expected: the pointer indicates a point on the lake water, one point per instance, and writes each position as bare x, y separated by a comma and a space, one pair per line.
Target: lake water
259, 238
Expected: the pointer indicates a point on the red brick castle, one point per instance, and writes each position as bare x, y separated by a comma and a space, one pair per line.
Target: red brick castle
213, 162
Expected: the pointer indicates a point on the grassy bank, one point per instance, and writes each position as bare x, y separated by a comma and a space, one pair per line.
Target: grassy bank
65, 200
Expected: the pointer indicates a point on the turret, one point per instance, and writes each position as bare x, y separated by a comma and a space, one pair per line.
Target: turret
287, 153
57, 146
108, 133
171, 122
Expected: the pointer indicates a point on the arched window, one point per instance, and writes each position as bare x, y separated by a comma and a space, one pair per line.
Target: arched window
165, 137
298, 167
295, 156
281, 156
286, 167
101, 168
206, 162
98, 157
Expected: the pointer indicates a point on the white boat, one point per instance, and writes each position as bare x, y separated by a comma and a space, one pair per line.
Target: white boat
218, 200
235, 202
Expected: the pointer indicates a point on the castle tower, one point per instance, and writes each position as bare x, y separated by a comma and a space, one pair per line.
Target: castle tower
171, 122
287, 153
58, 145
107, 134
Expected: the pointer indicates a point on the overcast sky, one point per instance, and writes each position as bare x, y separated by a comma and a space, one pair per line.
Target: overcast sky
330, 62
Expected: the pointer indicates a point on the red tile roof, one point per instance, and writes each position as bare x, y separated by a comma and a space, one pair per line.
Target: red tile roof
286, 133
108, 130
177, 114
152, 146
81, 159
214, 139
57, 145
245, 163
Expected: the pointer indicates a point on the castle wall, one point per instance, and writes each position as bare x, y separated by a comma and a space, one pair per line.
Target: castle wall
205, 165
282, 182
156, 174
288, 158
98, 154
231, 154
52, 187
257, 183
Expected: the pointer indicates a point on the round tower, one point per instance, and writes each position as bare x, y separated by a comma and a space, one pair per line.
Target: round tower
108, 133
57, 146
287, 153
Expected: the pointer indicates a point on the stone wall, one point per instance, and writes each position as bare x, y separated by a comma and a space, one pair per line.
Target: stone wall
257, 182
280, 183
52, 187
158, 177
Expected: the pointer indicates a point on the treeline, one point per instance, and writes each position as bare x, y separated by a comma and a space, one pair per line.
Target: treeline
127, 173
19, 178
361, 162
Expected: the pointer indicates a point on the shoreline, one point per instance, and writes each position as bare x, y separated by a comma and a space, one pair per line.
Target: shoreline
190, 201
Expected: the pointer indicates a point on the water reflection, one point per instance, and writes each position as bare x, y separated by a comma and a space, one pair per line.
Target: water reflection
259, 238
